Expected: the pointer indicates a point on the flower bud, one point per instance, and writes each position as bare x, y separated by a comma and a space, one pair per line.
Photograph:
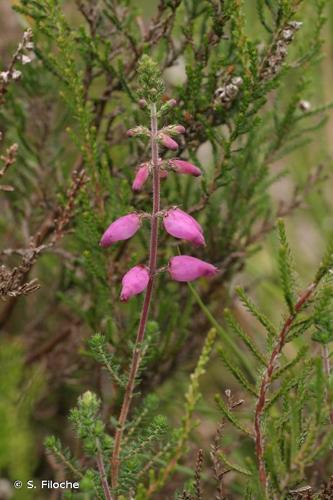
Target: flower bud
181, 225
184, 167
179, 129
142, 103
141, 176
121, 229
172, 103
134, 282
186, 268
138, 132
168, 142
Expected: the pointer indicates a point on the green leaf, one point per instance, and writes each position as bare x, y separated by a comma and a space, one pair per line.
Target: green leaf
286, 269
237, 373
251, 307
237, 329
230, 417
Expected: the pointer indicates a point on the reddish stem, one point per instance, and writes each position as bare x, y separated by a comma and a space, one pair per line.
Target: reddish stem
137, 353
267, 378
102, 473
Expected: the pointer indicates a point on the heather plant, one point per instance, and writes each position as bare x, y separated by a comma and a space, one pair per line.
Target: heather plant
142, 151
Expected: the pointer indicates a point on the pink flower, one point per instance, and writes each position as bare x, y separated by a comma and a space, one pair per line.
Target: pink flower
186, 268
172, 102
167, 141
184, 167
181, 225
141, 176
178, 129
134, 282
121, 229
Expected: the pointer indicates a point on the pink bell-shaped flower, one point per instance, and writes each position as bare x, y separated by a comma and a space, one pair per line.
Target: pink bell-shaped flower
121, 229
186, 268
141, 176
167, 141
134, 282
184, 167
181, 225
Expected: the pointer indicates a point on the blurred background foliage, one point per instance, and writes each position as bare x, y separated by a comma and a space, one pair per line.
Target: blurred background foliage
70, 111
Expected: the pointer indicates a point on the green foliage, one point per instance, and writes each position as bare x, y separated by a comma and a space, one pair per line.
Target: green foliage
18, 397
299, 404
286, 269
88, 427
151, 85
245, 79
99, 349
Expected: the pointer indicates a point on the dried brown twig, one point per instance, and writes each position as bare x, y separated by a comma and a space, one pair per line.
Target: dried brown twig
12, 282
21, 55
8, 160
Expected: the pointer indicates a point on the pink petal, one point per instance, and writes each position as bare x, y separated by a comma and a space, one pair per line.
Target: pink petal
168, 142
184, 167
121, 229
186, 268
181, 225
134, 282
141, 176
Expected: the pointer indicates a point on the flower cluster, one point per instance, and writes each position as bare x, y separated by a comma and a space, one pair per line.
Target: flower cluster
176, 222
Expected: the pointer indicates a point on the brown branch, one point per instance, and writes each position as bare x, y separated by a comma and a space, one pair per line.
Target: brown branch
55, 225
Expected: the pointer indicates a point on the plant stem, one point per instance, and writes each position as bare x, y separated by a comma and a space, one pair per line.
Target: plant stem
327, 369
102, 473
267, 378
137, 353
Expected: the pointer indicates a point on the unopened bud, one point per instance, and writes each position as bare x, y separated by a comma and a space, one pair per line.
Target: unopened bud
304, 105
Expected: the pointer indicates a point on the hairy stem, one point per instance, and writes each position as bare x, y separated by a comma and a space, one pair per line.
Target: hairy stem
102, 473
267, 378
137, 353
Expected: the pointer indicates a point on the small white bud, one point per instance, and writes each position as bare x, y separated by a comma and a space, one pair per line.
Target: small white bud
25, 59
296, 25
287, 35
304, 105
16, 74
4, 75
237, 80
